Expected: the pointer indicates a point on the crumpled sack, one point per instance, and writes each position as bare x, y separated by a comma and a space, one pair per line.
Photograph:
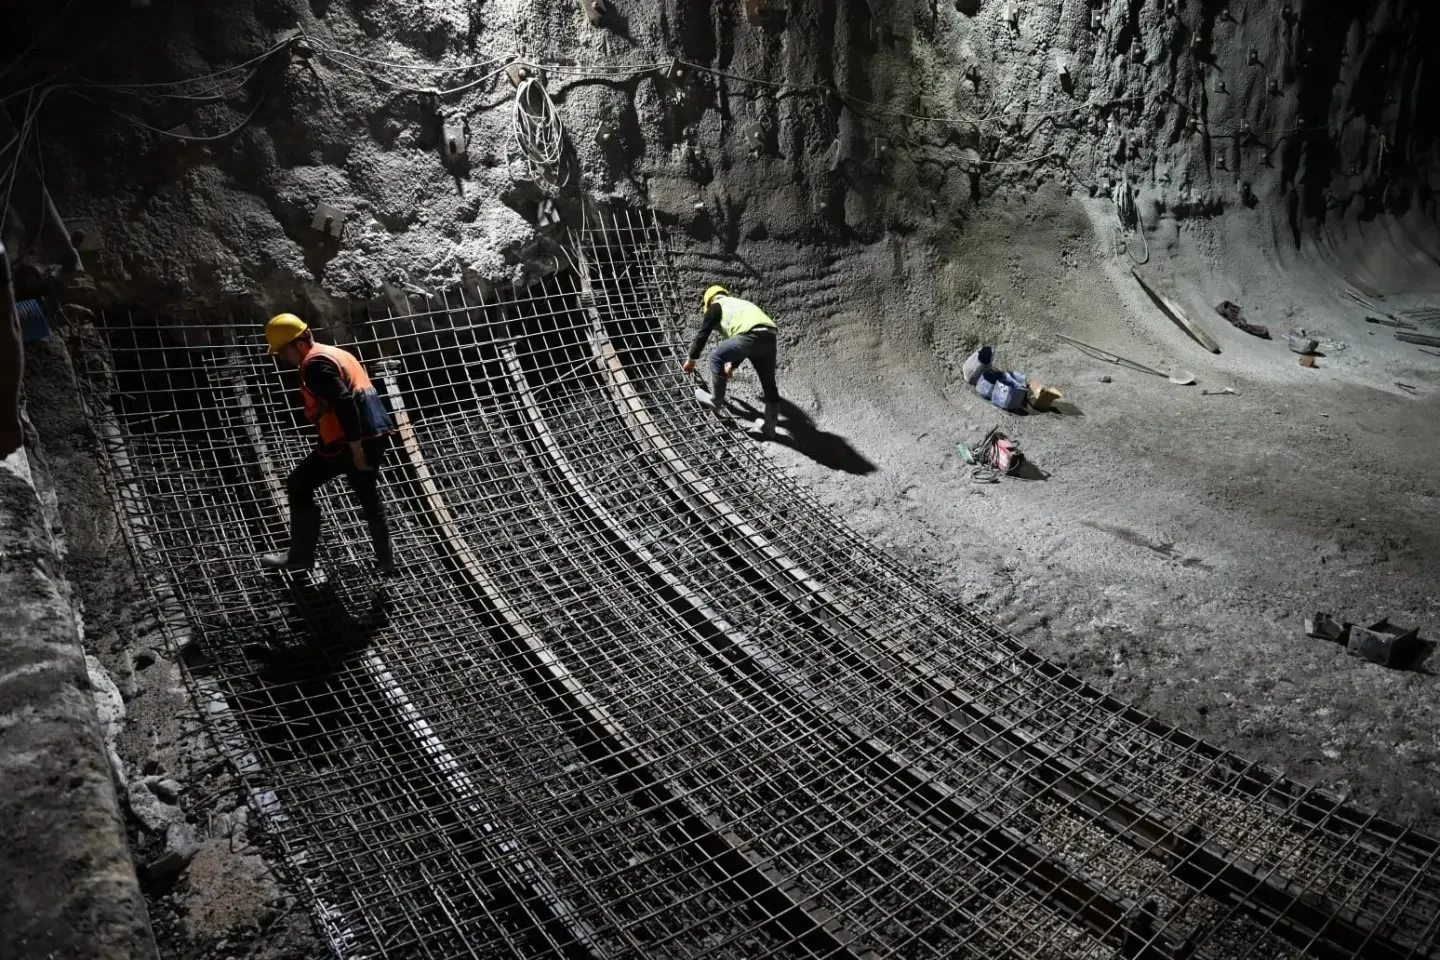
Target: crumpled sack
1236, 316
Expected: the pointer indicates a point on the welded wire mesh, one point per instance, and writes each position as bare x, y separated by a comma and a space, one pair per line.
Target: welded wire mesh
636, 693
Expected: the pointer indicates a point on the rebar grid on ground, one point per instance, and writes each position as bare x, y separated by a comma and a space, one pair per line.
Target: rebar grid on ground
1314, 842
637, 694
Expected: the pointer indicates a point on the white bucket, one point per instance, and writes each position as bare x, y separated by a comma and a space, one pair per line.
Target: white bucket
977, 363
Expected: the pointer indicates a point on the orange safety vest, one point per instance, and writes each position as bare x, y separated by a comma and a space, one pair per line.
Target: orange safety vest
352, 371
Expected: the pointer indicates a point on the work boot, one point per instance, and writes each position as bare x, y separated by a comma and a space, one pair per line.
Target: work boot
766, 426
717, 397
380, 539
304, 535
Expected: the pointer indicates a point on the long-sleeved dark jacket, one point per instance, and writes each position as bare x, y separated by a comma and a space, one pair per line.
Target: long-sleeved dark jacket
322, 378
707, 326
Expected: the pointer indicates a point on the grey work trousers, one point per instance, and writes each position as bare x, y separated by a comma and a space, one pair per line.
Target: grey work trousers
759, 349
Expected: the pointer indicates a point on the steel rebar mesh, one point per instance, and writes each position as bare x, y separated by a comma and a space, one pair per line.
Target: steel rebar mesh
638, 694
1377, 872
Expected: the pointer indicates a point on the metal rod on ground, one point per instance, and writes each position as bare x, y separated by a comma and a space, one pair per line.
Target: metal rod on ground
1392, 323
1177, 313
1366, 302
1109, 357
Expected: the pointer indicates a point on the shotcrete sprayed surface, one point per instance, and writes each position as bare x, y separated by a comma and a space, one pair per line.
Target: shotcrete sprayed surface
1177, 540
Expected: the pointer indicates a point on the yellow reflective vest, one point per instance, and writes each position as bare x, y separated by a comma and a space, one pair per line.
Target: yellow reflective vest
741, 316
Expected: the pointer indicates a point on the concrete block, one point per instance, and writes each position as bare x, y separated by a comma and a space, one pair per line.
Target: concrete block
1382, 643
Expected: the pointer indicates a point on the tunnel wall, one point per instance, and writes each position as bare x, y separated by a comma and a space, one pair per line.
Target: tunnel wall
810, 121
817, 124
67, 886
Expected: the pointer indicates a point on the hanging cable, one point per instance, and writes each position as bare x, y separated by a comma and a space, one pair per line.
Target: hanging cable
337, 58
32, 114
336, 52
222, 72
598, 71
1128, 213
538, 133
190, 137
1140, 229
214, 94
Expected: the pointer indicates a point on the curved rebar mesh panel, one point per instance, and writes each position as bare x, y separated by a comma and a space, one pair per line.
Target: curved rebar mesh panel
636, 694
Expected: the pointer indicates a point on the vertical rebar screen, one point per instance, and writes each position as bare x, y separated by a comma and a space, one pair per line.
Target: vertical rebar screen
637, 694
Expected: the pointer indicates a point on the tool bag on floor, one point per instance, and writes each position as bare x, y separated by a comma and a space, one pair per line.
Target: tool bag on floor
1000, 452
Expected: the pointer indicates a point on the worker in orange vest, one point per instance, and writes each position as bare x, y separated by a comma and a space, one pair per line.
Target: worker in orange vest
355, 430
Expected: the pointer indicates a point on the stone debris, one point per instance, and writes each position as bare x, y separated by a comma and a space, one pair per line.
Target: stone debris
150, 811
180, 848
165, 788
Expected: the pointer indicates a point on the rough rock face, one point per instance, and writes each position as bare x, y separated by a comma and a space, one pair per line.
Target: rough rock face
824, 121
867, 161
66, 885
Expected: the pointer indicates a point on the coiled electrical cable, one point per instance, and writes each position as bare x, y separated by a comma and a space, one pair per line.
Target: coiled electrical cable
539, 134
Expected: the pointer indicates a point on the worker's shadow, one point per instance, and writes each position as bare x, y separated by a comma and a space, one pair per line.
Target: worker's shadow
328, 629
799, 433
309, 696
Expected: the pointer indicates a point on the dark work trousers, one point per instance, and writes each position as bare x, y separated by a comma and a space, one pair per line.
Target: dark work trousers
317, 469
759, 348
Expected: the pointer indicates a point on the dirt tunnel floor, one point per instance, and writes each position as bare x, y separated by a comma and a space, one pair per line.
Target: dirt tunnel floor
1180, 539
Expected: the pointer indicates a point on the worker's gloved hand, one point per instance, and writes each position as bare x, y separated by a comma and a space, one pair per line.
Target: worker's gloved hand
357, 454
688, 366
729, 367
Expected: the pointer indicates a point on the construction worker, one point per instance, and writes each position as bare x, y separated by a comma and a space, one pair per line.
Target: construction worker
749, 335
354, 428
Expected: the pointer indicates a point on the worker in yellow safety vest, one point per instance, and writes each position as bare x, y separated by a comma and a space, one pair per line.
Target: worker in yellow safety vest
749, 334
354, 427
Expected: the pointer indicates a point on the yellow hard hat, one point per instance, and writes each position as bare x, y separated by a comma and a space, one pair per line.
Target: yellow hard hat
711, 294
282, 329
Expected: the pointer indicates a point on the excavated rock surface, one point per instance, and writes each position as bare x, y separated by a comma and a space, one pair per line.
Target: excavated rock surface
1317, 115
898, 181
